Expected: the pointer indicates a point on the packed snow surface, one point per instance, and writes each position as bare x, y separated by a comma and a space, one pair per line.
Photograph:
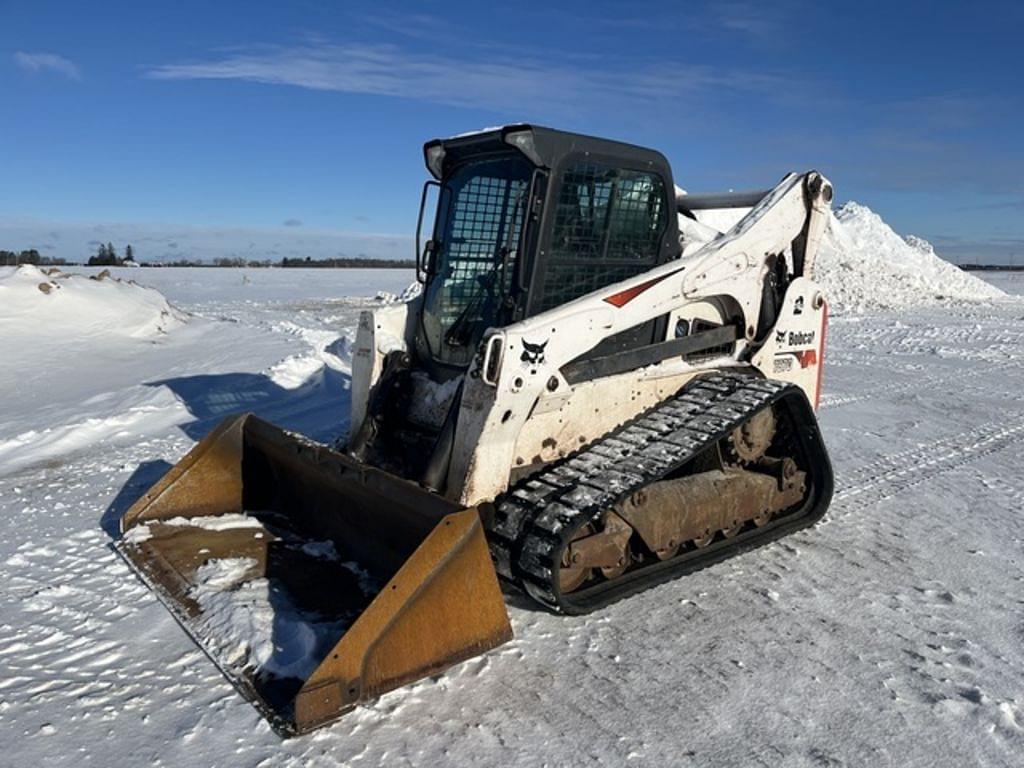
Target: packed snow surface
888, 635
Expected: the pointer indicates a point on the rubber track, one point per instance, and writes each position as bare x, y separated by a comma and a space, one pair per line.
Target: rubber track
535, 521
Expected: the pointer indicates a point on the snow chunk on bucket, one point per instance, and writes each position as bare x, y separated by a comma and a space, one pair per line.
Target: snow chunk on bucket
141, 533
252, 624
257, 625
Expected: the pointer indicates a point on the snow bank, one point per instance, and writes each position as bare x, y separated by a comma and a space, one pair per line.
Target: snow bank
46, 303
864, 265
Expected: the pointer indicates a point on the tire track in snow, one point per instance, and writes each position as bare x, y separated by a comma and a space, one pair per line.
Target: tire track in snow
925, 383
894, 473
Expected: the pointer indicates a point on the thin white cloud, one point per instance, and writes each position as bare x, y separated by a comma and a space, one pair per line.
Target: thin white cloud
47, 62
416, 25
757, 20
494, 82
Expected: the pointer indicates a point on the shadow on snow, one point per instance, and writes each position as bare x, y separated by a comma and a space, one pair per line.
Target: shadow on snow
318, 407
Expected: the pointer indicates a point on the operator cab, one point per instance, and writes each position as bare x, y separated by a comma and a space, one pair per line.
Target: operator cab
528, 218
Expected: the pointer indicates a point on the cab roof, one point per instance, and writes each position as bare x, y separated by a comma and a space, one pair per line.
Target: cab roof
544, 147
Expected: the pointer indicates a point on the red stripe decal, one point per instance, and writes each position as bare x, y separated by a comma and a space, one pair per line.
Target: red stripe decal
807, 357
622, 298
821, 354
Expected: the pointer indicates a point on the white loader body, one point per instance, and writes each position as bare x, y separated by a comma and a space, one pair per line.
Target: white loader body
519, 410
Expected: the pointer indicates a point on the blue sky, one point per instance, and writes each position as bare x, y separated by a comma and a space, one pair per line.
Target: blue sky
199, 129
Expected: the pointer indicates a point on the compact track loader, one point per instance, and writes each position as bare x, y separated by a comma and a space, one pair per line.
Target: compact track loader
593, 393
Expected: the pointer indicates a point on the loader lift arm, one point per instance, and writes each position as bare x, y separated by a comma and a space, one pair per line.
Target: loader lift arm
735, 263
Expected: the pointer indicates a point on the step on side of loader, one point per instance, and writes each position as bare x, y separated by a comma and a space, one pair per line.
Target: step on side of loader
381, 582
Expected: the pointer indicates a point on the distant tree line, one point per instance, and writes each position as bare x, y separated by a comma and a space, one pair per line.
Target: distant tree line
992, 267
346, 262
343, 262
106, 256
31, 256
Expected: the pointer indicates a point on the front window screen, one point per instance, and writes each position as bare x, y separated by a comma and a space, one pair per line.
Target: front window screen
608, 227
478, 234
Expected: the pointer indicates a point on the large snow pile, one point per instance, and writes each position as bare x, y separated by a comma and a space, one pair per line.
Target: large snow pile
863, 265
36, 303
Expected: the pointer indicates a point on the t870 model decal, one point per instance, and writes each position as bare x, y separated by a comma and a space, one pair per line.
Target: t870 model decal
784, 361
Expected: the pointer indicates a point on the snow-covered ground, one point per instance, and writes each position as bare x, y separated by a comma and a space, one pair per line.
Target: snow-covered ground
890, 634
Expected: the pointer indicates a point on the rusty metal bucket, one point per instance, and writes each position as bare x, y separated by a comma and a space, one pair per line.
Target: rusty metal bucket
359, 581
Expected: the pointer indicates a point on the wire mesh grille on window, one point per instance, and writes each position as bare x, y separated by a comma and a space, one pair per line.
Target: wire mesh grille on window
486, 217
608, 225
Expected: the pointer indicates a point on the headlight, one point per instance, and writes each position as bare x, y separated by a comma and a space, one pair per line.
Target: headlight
434, 154
523, 141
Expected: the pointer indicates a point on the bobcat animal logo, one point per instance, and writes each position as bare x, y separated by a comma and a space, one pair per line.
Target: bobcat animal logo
533, 353
780, 337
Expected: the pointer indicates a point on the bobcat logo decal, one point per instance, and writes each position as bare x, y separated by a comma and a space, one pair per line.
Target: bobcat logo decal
533, 353
780, 337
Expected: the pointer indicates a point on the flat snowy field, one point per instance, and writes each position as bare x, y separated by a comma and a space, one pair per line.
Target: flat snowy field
890, 634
